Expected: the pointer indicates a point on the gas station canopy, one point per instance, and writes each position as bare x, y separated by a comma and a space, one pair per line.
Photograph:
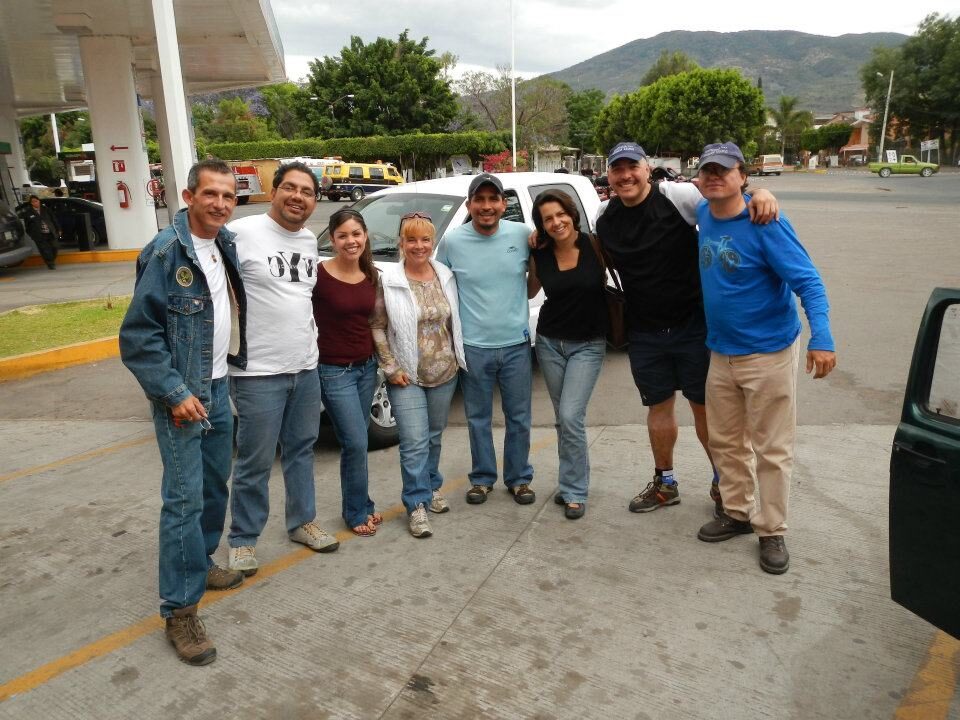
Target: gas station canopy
224, 44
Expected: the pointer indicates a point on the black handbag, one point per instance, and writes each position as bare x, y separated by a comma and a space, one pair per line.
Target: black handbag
613, 296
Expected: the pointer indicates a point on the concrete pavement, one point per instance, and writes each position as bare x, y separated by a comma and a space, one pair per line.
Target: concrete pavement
507, 612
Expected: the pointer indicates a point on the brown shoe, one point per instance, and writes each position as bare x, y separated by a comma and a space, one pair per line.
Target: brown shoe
186, 633
219, 578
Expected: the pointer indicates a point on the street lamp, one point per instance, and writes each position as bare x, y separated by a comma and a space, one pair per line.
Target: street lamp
886, 109
345, 97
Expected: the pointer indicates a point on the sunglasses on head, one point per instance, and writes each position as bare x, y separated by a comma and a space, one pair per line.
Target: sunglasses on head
416, 214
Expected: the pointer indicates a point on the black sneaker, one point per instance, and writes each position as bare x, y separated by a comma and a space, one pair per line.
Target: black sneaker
478, 494
723, 528
522, 494
717, 500
774, 557
655, 495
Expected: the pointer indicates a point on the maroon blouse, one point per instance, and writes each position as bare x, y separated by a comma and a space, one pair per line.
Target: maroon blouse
342, 313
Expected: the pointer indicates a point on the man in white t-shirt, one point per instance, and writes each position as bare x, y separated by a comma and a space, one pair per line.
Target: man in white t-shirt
277, 395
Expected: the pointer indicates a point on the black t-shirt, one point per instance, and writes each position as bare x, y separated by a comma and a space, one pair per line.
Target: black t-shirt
575, 308
654, 249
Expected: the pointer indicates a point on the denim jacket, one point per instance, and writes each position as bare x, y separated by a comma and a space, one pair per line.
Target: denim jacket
166, 339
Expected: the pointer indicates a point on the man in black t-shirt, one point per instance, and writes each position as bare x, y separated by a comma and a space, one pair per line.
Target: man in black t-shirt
649, 234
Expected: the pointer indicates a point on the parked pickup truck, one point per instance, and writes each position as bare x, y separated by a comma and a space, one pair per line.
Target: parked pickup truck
908, 165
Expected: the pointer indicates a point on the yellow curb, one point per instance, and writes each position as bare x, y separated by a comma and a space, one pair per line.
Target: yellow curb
23, 366
90, 256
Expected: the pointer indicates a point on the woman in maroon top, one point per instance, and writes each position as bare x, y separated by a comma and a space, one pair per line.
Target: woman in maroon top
343, 301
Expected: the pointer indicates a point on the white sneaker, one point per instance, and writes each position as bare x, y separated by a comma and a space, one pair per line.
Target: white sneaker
438, 503
311, 535
244, 559
419, 525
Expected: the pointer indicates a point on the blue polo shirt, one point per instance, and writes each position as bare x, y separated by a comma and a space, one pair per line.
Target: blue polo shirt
491, 273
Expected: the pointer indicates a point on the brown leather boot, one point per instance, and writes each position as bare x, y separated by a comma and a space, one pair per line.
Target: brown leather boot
186, 633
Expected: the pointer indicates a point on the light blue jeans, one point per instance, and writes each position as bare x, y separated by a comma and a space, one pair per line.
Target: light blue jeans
270, 409
421, 414
510, 369
570, 370
196, 466
347, 396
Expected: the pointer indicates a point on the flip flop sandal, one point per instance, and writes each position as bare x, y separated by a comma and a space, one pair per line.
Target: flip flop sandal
376, 518
363, 531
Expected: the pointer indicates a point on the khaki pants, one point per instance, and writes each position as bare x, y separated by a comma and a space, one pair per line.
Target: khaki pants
752, 421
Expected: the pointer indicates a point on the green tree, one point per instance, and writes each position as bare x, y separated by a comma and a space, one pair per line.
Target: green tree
789, 122
583, 108
398, 86
669, 63
925, 101
283, 101
233, 121
682, 113
611, 124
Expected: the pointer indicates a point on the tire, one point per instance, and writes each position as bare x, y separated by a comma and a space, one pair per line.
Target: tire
356, 194
382, 431
777, 174
884, 172
96, 239
926, 172
243, 200
333, 196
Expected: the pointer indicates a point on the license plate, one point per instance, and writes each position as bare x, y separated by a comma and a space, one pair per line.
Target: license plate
8, 235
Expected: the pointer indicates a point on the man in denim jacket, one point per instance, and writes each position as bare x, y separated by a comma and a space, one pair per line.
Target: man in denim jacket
185, 322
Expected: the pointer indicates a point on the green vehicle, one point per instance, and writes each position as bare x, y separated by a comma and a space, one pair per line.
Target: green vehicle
908, 165
925, 472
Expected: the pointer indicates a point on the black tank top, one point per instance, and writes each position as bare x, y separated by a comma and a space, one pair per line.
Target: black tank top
575, 308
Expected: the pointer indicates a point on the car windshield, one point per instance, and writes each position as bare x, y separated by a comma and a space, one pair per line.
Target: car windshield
382, 215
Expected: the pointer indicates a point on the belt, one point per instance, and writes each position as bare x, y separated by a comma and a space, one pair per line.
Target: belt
354, 363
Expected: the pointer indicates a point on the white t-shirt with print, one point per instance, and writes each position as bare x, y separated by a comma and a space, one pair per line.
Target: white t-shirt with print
279, 272
211, 261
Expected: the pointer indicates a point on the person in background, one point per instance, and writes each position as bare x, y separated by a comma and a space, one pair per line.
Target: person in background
571, 334
750, 274
416, 330
343, 301
44, 229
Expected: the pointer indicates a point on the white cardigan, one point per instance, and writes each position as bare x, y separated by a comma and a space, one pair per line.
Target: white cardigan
402, 315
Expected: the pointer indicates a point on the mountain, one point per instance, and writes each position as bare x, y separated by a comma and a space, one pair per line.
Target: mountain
822, 71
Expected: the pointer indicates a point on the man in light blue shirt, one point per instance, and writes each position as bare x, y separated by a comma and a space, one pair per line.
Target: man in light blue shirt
489, 257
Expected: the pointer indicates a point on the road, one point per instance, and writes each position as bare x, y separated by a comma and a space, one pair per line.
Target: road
509, 611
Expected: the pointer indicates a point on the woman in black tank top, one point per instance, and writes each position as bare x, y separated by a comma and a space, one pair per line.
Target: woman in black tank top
571, 334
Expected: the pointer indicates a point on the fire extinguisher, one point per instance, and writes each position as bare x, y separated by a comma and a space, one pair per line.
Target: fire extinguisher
123, 194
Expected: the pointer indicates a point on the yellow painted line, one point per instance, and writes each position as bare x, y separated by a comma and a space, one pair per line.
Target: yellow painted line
933, 687
9, 278
125, 636
80, 457
23, 366
86, 257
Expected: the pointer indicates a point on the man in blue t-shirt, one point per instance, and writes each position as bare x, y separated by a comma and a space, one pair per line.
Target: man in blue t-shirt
749, 275
488, 257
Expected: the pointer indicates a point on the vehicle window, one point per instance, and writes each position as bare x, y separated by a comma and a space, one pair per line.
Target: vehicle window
382, 214
332, 170
945, 388
514, 209
535, 191
376, 173
356, 171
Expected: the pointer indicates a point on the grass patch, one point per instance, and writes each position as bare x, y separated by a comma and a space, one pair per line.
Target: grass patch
42, 327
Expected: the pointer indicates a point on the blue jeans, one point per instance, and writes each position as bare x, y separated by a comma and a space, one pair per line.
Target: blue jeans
570, 370
510, 369
196, 466
270, 409
421, 414
347, 397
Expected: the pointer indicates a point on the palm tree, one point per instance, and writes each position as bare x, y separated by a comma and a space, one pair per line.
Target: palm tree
789, 121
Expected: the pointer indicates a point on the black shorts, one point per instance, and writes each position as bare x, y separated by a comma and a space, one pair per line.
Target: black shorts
664, 361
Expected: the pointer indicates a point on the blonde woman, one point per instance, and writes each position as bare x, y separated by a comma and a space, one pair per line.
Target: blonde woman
416, 330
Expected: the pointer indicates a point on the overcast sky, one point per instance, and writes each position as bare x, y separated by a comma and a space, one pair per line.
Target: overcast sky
554, 34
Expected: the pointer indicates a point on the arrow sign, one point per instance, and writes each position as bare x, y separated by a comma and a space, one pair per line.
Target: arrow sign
119, 147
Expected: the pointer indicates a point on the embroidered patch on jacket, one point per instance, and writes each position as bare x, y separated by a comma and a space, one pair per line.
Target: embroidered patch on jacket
184, 276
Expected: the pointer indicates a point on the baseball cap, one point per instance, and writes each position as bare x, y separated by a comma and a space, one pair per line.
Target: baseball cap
484, 179
626, 150
726, 154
